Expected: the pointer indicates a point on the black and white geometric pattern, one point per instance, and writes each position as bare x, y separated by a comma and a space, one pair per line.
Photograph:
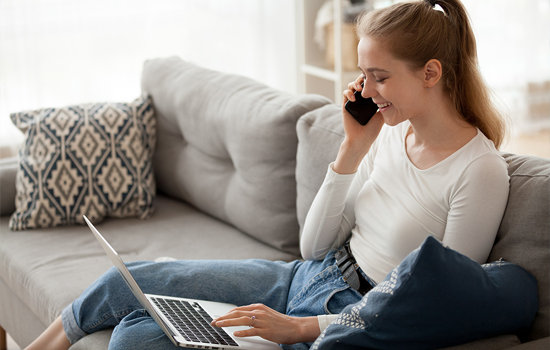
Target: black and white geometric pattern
93, 160
352, 318
388, 285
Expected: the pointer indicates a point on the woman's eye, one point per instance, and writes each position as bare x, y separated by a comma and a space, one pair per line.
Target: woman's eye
381, 80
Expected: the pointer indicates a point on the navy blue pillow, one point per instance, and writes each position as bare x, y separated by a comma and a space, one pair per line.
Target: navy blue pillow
436, 298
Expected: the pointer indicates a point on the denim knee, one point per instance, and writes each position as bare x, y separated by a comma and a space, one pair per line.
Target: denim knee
139, 331
106, 302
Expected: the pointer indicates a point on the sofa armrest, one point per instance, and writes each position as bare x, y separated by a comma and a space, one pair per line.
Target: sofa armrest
8, 173
539, 344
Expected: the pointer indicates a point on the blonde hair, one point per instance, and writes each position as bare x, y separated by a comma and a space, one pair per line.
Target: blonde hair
417, 32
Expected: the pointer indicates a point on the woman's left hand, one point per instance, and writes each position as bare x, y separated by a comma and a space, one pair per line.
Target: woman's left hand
270, 324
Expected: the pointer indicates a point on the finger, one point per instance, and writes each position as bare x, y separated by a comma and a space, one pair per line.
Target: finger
348, 95
247, 333
230, 316
357, 85
235, 313
250, 307
352, 85
239, 321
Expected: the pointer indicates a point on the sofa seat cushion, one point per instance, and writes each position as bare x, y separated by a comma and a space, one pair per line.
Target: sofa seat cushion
227, 145
96, 341
48, 268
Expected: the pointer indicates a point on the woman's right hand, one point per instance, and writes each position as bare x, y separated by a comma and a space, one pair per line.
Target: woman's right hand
358, 138
270, 324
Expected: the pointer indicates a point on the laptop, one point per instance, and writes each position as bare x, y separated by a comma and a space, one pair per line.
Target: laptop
186, 322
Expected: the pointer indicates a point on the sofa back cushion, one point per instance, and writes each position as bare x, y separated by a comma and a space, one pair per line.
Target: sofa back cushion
320, 134
227, 145
524, 234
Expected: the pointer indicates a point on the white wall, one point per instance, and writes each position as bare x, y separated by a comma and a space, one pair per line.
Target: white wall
513, 38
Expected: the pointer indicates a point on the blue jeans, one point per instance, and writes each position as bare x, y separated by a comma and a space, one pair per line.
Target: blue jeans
297, 289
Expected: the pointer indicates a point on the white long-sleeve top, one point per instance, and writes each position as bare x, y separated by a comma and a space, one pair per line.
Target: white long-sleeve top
390, 206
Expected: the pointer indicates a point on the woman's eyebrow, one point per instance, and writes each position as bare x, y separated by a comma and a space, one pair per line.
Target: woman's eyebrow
375, 69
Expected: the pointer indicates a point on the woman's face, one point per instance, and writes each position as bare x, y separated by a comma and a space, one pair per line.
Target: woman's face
398, 91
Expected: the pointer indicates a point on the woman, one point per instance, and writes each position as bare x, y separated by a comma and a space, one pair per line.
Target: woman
426, 164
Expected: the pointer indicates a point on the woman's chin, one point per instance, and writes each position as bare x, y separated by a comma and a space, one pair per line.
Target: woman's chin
390, 120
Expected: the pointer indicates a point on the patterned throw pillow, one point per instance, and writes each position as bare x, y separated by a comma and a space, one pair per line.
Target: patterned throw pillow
92, 160
436, 298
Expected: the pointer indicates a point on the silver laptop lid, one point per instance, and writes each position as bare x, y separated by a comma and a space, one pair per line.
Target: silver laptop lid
255, 343
130, 281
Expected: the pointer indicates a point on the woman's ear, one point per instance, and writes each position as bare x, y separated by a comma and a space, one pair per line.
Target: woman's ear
432, 73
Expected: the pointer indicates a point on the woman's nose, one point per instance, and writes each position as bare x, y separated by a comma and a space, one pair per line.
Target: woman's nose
368, 90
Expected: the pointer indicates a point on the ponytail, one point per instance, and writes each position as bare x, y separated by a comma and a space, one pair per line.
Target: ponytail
417, 32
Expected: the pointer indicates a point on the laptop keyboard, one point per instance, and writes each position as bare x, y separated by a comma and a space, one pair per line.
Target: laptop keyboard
193, 322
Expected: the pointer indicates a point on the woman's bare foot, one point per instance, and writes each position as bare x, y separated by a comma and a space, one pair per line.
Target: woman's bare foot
53, 338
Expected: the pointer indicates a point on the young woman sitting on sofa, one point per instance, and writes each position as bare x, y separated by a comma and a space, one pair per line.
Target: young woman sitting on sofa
426, 164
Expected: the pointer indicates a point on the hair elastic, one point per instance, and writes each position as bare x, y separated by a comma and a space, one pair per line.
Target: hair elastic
434, 5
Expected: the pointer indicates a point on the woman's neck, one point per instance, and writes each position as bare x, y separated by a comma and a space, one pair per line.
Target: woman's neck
436, 135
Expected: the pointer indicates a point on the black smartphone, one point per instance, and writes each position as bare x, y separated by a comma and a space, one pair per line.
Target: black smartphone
362, 109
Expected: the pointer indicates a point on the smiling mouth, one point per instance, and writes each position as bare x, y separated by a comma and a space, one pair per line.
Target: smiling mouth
383, 105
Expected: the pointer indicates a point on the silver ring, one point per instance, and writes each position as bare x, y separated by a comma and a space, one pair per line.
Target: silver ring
253, 319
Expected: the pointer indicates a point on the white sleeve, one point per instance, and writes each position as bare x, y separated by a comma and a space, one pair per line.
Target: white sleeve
331, 216
477, 207
325, 320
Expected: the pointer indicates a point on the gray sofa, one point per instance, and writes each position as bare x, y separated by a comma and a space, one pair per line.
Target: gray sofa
237, 165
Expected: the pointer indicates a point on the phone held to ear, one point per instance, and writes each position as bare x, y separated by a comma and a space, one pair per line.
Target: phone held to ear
363, 109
